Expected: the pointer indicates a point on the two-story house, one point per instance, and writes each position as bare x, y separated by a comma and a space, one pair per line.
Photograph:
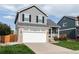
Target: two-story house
33, 25
69, 26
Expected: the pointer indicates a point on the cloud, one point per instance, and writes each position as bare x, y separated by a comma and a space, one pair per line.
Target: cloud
9, 17
50, 9
57, 10
9, 7
61, 9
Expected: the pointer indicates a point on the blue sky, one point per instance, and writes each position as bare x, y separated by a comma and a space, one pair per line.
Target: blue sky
54, 11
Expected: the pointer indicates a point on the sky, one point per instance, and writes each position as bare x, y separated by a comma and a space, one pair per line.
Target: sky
54, 11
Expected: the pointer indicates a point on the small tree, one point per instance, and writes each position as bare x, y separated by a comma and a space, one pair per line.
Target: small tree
4, 29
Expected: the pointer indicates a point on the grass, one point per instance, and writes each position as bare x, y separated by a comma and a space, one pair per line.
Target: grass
74, 45
15, 49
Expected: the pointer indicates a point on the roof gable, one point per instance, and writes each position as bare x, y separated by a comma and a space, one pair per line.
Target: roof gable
70, 17
32, 7
27, 9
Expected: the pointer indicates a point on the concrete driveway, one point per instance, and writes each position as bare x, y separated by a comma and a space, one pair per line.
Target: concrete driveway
47, 48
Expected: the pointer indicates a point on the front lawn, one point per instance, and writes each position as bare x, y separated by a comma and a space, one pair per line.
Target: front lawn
74, 45
15, 49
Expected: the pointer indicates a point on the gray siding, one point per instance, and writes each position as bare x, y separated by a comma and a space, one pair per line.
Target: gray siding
33, 12
70, 23
69, 33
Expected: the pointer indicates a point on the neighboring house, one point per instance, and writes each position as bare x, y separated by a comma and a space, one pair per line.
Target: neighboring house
32, 25
69, 26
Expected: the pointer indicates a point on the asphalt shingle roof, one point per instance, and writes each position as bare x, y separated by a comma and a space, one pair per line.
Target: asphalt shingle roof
51, 23
72, 17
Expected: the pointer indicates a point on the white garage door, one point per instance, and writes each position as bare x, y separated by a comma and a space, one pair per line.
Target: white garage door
31, 37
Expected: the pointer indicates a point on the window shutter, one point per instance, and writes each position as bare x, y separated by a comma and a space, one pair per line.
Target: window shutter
29, 18
22, 17
43, 19
37, 19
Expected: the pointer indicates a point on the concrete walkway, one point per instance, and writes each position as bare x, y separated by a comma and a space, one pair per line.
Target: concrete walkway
47, 48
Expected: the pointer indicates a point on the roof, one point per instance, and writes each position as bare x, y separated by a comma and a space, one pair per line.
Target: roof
70, 17
32, 7
51, 23
32, 24
27, 9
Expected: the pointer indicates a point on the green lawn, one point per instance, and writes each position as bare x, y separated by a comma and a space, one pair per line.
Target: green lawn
74, 45
15, 49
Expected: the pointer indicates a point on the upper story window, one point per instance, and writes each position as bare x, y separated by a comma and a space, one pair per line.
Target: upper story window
40, 19
26, 17
64, 24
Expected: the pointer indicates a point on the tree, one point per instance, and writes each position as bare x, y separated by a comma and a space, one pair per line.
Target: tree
4, 29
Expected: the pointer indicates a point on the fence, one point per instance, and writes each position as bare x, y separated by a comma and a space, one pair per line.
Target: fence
8, 38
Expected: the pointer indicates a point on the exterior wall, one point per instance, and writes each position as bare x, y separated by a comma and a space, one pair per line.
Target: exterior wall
69, 29
70, 23
33, 12
30, 29
20, 28
69, 33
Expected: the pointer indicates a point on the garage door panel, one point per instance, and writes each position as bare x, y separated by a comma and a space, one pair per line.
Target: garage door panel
34, 37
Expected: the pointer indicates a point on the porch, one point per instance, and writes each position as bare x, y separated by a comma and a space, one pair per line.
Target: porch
53, 32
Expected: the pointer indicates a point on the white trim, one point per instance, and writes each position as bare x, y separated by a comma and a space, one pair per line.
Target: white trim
58, 32
67, 29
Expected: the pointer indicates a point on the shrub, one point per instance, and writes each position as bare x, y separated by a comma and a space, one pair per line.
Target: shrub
56, 38
61, 38
4, 29
77, 38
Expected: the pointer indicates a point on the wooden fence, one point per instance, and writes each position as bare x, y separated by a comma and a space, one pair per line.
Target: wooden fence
8, 38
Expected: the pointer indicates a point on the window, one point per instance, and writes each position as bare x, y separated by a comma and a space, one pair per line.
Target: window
26, 17
49, 31
40, 19
64, 24
54, 30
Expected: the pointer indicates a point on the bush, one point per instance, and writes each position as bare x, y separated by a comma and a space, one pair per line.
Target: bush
61, 38
56, 38
4, 29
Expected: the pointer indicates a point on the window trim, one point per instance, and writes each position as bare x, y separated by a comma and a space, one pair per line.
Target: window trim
64, 24
24, 17
39, 19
